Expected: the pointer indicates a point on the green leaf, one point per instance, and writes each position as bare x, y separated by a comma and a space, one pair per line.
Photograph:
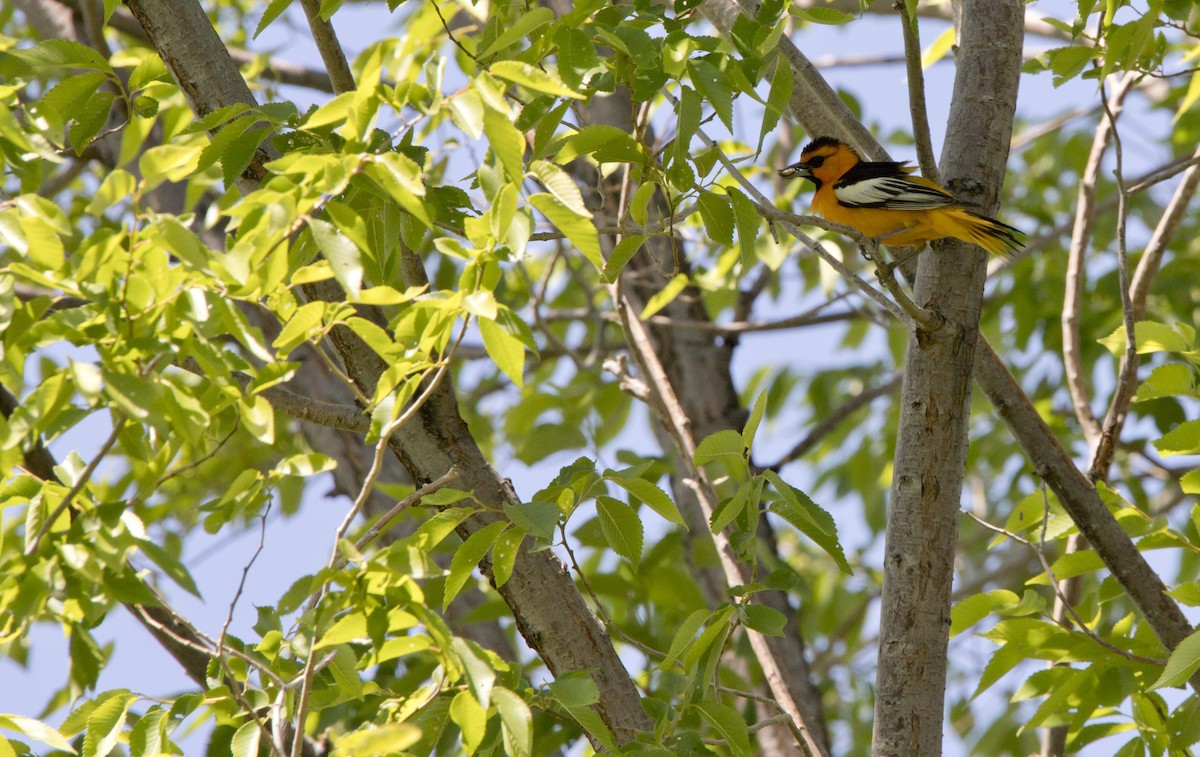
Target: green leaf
477, 670
105, 724
756, 414
710, 83
506, 141
729, 724
578, 229
169, 565
526, 23
470, 718
381, 741
766, 620
650, 494
575, 692
245, 740
117, 186
61, 53
806, 517
939, 48
821, 15
343, 255
748, 223
1190, 482
717, 215
665, 296
621, 255
504, 555
639, 205
605, 141
274, 9
533, 78
516, 721
537, 518
976, 607
36, 729
1184, 439
729, 509
683, 636
1170, 380
467, 557
1183, 662
723, 445
1149, 336
561, 185
621, 528
778, 100
506, 350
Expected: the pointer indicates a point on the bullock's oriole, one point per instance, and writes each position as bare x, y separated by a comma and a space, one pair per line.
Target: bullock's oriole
884, 200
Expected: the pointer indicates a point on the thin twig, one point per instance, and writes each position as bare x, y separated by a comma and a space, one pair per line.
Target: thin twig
916, 93
834, 418
1118, 407
82, 481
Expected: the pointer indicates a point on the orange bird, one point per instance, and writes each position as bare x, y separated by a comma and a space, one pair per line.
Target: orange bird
884, 199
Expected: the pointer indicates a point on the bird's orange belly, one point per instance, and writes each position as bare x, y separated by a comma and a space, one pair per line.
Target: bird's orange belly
900, 227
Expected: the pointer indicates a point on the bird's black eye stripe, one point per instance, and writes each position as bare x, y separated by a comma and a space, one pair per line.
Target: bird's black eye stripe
815, 162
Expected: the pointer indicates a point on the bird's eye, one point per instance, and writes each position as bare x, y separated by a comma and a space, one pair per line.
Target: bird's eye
816, 161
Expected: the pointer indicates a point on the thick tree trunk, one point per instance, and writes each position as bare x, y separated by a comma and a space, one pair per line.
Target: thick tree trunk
931, 447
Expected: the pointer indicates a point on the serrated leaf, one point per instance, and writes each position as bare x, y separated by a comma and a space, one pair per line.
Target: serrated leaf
36, 729
537, 518
1170, 380
504, 349
683, 636
1150, 336
470, 718
105, 724
756, 414
467, 557
377, 742
621, 255
1184, 439
650, 494
525, 24
561, 185
1183, 662
778, 100
343, 255
169, 565
939, 48
504, 555
976, 607
575, 692
710, 83
516, 721
533, 78
725, 444
802, 513
621, 528
245, 740
639, 205
274, 9
665, 296
728, 723
578, 229
766, 620
506, 141
717, 215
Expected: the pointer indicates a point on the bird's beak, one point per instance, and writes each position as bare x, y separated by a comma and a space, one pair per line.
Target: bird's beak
796, 170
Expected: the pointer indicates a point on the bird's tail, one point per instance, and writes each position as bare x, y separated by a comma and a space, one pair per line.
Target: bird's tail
994, 236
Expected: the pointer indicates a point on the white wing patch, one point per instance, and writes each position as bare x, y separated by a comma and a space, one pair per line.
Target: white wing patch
891, 192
